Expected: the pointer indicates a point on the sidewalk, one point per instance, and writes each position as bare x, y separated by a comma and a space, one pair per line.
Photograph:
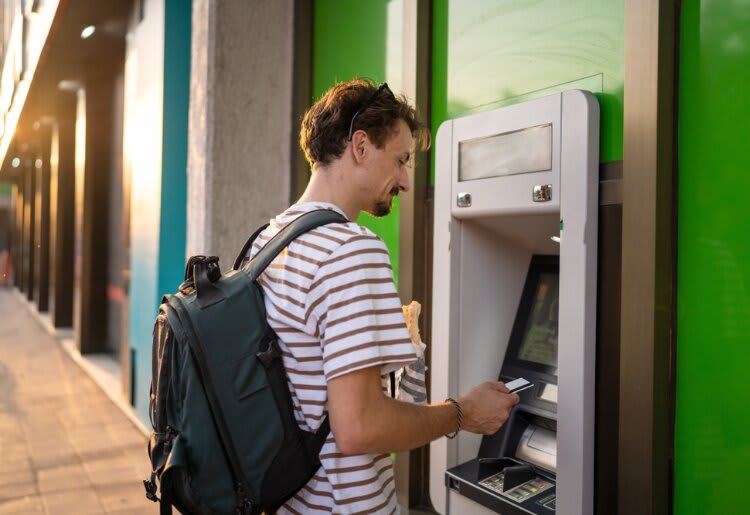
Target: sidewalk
65, 448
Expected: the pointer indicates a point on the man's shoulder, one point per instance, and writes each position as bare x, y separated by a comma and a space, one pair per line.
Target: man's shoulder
338, 245
332, 237
347, 232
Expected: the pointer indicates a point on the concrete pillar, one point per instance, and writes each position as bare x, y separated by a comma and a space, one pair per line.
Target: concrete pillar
62, 212
240, 122
41, 168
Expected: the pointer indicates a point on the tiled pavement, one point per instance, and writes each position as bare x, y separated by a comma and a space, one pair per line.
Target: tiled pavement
65, 447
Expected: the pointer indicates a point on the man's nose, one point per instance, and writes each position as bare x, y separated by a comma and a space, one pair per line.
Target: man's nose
403, 181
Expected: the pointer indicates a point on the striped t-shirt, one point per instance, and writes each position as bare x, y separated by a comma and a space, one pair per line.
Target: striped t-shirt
331, 299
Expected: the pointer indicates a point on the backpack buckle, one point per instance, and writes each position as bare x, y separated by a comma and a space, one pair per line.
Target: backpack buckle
272, 353
150, 490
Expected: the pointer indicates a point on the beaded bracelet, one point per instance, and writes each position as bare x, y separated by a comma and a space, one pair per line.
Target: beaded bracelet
458, 416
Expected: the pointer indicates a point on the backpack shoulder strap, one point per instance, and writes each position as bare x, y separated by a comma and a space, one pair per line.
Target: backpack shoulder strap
299, 226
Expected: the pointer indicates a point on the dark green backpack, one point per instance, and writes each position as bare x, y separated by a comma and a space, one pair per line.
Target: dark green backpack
225, 438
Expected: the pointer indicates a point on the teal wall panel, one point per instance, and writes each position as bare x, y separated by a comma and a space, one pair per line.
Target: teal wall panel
712, 441
487, 54
360, 39
142, 147
158, 257
173, 233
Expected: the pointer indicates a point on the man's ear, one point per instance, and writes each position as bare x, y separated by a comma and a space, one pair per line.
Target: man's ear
359, 145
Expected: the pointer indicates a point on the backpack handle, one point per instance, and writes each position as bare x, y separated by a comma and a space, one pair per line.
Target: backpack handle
202, 272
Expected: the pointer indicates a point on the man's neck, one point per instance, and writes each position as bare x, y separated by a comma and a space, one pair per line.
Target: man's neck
327, 184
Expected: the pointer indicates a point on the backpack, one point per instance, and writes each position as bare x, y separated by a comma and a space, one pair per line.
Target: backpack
225, 438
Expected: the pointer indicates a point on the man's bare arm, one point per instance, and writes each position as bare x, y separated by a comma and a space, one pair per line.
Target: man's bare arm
364, 420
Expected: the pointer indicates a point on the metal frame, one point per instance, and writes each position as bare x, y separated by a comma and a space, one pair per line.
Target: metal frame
648, 304
415, 222
608, 338
301, 92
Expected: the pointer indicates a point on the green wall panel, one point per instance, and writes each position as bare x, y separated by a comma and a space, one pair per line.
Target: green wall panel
360, 39
712, 440
487, 54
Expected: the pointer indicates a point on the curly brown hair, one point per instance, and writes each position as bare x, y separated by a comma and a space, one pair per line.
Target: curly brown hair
326, 125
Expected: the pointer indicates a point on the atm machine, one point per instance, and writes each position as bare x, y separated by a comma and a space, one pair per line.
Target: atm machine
514, 295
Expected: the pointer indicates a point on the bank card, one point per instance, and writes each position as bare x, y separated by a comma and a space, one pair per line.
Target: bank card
518, 385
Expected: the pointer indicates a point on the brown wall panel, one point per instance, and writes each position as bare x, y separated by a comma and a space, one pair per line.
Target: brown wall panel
18, 247
100, 116
29, 216
607, 359
62, 212
116, 232
41, 168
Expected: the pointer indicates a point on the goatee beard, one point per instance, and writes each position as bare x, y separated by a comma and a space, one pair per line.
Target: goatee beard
381, 208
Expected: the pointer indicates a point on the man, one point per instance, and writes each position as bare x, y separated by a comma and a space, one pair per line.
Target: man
331, 299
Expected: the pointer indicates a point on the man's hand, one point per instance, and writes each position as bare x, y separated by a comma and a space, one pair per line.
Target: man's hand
365, 420
486, 407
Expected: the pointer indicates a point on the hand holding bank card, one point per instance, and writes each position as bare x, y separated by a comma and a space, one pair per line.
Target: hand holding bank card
518, 385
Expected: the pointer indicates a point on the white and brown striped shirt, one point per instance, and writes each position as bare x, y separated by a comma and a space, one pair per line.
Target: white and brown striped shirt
331, 299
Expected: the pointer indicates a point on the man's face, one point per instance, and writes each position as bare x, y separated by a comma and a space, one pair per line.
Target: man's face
387, 170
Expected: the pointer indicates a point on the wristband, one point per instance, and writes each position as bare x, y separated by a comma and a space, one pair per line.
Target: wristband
458, 416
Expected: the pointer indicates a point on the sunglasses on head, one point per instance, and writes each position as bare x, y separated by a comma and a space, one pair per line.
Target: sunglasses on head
383, 88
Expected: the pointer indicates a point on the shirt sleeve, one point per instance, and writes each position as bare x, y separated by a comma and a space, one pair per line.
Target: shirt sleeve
354, 303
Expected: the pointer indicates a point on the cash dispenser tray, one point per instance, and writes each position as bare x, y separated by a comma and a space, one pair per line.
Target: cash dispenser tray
505, 485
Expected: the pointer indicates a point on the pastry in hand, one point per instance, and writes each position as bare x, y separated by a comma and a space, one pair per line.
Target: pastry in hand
411, 384
411, 315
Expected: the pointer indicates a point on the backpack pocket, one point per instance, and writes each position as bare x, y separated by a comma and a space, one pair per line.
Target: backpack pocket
247, 379
175, 482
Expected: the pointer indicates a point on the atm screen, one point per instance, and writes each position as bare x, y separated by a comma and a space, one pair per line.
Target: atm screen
538, 341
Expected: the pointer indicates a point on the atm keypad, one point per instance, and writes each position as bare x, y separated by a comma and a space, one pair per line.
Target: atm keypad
521, 492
